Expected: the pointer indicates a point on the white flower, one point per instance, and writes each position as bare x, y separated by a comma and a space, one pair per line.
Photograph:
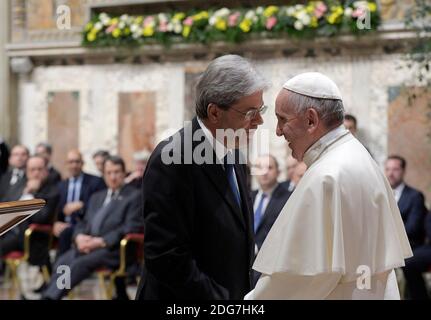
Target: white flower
290, 11
105, 21
360, 4
134, 28
212, 20
163, 17
124, 17
348, 12
178, 28
304, 18
299, 7
298, 25
103, 16
98, 25
121, 25
250, 14
259, 10
137, 34
170, 27
223, 12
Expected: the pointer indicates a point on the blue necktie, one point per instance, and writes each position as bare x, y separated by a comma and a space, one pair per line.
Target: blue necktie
228, 166
258, 213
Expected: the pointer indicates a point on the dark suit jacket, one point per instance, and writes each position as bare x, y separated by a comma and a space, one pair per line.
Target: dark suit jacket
39, 254
4, 157
413, 211
198, 242
90, 185
124, 216
53, 175
279, 197
8, 192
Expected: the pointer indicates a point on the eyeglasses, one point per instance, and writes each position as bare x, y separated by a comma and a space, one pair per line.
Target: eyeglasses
251, 114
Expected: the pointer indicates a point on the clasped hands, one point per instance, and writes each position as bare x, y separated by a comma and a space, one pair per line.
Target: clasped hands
87, 244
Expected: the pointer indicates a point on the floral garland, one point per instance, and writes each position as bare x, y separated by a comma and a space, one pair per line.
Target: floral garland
317, 18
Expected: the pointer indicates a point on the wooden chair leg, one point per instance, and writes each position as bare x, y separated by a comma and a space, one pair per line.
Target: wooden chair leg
14, 281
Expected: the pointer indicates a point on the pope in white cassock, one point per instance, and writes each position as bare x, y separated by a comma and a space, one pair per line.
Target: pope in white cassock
340, 235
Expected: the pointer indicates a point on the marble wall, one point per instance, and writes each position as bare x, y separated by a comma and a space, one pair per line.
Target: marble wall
364, 81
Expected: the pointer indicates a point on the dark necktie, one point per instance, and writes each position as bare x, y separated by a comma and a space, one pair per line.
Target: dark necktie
230, 172
101, 214
259, 212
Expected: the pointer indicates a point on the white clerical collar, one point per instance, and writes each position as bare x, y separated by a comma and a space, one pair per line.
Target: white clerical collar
314, 152
219, 148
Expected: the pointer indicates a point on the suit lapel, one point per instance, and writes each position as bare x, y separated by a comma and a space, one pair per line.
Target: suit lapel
217, 175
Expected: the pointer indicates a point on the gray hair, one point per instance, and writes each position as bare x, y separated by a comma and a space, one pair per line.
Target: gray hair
330, 111
226, 80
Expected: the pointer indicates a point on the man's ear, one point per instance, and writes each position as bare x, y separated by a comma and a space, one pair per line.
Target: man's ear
213, 113
312, 120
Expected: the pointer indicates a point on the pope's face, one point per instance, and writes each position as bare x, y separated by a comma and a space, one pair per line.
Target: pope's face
292, 126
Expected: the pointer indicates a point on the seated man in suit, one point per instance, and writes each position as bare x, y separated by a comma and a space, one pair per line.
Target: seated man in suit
13, 181
410, 201
37, 187
268, 200
99, 158
45, 150
110, 215
291, 163
75, 192
417, 265
4, 156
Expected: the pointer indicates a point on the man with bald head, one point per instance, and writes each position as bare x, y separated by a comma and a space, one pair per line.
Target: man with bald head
37, 187
14, 180
340, 234
75, 192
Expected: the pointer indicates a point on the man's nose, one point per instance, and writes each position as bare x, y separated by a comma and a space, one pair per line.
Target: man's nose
278, 131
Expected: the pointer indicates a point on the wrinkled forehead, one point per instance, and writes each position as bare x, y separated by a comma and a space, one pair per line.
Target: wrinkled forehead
282, 103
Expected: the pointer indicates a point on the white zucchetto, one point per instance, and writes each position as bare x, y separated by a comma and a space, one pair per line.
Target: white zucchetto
313, 84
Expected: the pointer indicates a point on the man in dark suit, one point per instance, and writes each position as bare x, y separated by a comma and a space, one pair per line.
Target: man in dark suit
417, 265
45, 150
37, 187
14, 180
75, 192
291, 164
268, 200
411, 202
198, 215
111, 214
4, 156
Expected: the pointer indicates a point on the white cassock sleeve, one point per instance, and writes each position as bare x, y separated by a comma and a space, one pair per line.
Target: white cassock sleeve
283, 286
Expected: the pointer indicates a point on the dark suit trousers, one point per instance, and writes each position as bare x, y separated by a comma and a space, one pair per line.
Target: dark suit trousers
65, 241
81, 267
415, 266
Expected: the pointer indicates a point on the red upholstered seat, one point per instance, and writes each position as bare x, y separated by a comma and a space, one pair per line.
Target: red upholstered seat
14, 255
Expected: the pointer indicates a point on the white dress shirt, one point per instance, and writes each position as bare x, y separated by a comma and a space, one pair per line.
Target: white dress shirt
398, 191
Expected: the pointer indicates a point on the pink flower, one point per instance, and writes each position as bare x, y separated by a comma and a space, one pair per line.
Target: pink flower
111, 28
148, 20
233, 19
359, 12
163, 26
188, 21
320, 10
271, 22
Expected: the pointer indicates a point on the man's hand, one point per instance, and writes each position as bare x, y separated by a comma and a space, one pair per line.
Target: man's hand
71, 207
134, 175
59, 227
32, 186
87, 244
82, 242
